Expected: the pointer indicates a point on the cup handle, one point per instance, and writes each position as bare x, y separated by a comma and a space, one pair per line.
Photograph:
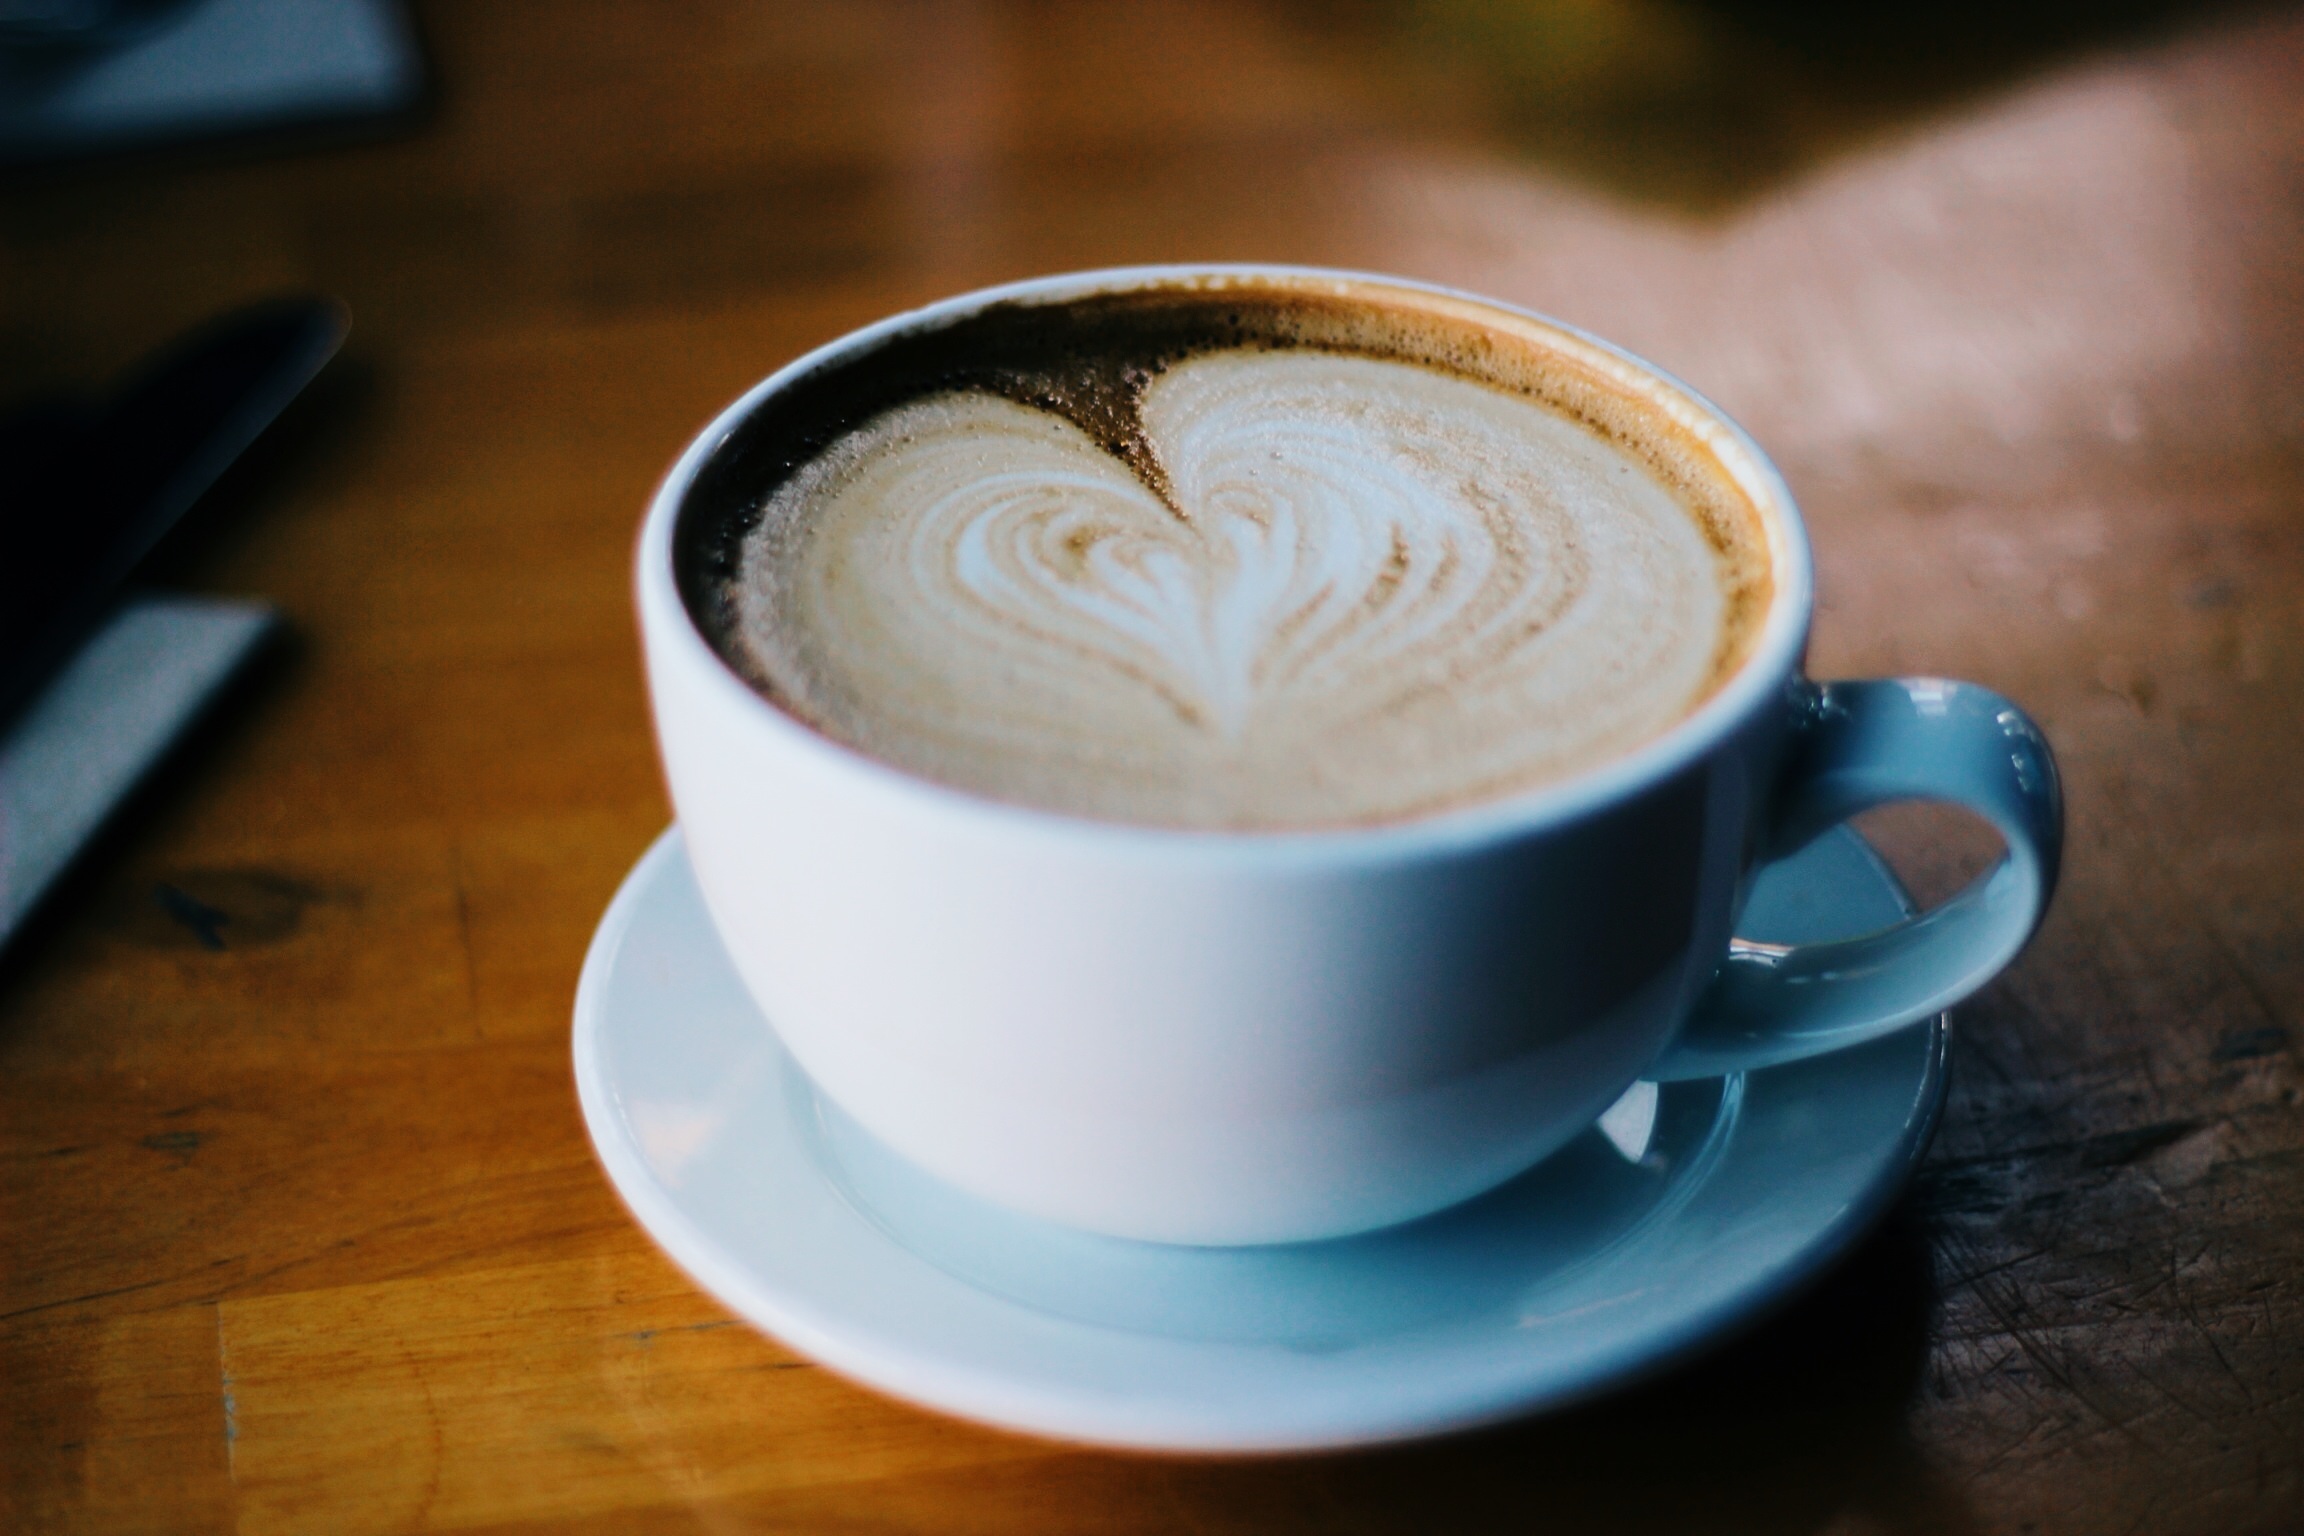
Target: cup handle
1860, 745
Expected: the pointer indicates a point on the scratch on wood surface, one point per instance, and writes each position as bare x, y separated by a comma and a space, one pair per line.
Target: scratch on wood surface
2176, 1270
464, 932
70, 1301
1971, 1277
647, 1336
1989, 1183
2008, 1450
2118, 1149
2248, 1044
2043, 1359
231, 1408
431, 1494
2216, 1348
41, 1154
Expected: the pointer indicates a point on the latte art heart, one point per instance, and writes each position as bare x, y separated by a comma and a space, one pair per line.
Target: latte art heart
1372, 590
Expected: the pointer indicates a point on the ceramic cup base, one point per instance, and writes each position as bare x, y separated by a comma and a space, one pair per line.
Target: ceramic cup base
1691, 1208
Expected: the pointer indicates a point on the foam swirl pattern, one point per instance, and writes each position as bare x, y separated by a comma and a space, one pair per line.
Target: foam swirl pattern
1374, 591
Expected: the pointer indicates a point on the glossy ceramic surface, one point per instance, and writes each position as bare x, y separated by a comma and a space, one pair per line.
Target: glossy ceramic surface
1257, 1037
1686, 1210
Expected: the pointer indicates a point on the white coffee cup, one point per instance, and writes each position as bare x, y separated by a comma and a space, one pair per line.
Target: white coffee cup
1244, 1037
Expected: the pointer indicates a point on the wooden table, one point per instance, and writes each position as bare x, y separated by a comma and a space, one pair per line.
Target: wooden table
304, 1234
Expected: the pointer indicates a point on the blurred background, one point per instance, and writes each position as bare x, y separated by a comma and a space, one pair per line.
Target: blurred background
2009, 288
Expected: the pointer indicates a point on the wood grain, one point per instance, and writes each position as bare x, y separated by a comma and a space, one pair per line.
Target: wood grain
304, 1234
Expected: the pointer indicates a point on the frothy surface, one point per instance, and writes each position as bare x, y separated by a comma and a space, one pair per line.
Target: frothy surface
1345, 589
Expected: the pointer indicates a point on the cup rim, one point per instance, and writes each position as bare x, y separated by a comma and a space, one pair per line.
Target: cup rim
1774, 658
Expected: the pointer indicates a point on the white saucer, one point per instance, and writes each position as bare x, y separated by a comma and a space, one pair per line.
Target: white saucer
1692, 1208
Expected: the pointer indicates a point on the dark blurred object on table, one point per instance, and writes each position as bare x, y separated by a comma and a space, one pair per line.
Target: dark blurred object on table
95, 485
59, 27
95, 689
81, 78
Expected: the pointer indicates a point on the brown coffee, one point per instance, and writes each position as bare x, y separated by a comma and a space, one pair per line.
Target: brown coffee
1234, 553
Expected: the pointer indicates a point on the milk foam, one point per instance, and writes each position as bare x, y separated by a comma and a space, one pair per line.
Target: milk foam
1373, 590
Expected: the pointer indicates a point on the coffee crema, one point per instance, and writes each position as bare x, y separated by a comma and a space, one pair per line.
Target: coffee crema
1238, 554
